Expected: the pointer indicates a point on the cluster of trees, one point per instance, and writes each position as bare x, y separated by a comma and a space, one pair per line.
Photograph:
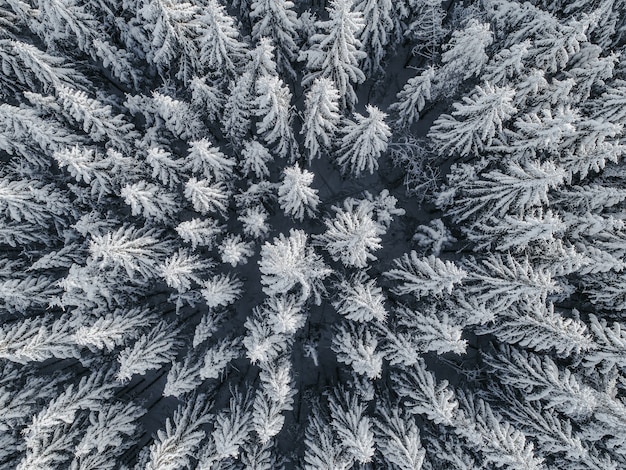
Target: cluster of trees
170, 273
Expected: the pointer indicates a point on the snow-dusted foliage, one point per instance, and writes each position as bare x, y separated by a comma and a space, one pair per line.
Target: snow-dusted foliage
352, 234
363, 141
271, 235
290, 262
295, 194
321, 116
335, 51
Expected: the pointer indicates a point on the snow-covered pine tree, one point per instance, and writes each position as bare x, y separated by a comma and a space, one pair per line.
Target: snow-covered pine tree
173, 29
177, 444
360, 299
352, 235
352, 427
273, 105
426, 31
218, 40
238, 109
321, 116
134, 250
208, 161
363, 142
276, 19
465, 53
474, 123
377, 32
336, 51
289, 262
424, 276
152, 349
295, 195
207, 198
356, 346
412, 98
255, 158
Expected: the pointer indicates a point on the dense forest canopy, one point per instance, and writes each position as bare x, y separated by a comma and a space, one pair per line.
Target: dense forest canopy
266, 234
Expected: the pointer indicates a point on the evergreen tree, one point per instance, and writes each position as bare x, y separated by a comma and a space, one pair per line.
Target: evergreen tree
218, 41
276, 19
465, 54
377, 32
351, 235
427, 29
289, 262
363, 142
335, 53
412, 98
295, 195
481, 118
321, 116
273, 105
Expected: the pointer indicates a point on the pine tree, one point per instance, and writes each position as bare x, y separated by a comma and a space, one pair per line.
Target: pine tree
274, 398
356, 347
262, 343
235, 251
502, 281
221, 290
134, 250
255, 158
181, 269
149, 200
232, 426
219, 44
335, 53
515, 234
30, 66
167, 170
158, 346
254, 222
516, 190
295, 195
352, 428
364, 140
88, 394
481, 118
174, 29
541, 379
398, 439
199, 232
218, 357
412, 98
273, 105
465, 53
499, 442
175, 446
276, 19
322, 451
284, 314
377, 32
507, 64
289, 262
110, 433
360, 299
321, 116
236, 119
207, 198
351, 235
427, 29
113, 330
206, 160
424, 396
424, 276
